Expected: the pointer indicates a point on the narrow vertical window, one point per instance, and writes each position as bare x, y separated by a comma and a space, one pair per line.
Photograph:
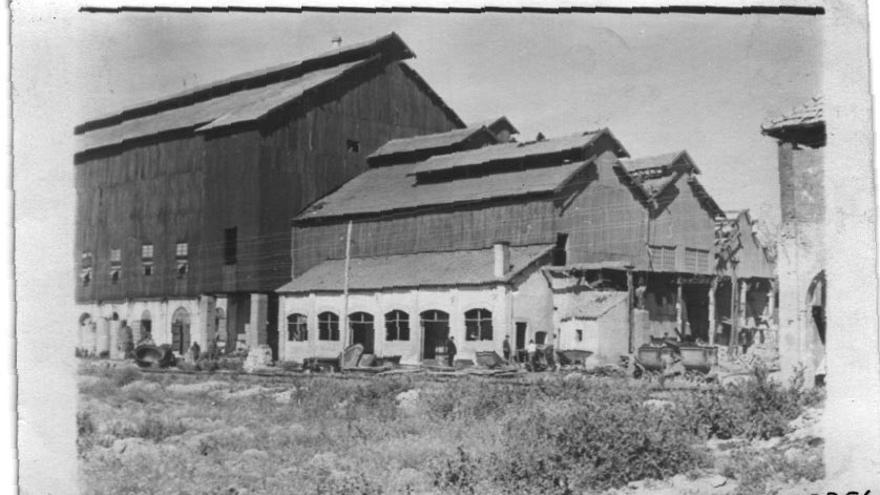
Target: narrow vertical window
181, 255
115, 265
85, 268
560, 255
147, 259
230, 245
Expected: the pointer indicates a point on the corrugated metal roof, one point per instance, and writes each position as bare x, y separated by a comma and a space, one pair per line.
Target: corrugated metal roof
427, 141
589, 304
240, 106
507, 151
394, 187
445, 268
808, 114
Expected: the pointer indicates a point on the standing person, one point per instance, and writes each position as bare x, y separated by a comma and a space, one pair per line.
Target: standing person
195, 349
451, 350
549, 355
505, 348
531, 351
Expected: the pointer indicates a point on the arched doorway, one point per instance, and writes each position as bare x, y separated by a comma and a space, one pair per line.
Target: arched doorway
362, 330
146, 326
435, 328
180, 331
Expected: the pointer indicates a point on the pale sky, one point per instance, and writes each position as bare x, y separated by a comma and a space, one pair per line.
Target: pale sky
661, 83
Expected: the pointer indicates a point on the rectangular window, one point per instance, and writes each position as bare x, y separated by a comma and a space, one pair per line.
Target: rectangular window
478, 324
696, 260
560, 250
181, 250
146, 252
230, 245
663, 258
115, 256
181, 254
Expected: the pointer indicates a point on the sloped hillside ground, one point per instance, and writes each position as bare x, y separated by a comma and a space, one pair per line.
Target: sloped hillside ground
557, 433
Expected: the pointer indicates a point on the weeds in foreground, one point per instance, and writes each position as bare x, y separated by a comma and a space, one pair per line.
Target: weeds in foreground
469, 436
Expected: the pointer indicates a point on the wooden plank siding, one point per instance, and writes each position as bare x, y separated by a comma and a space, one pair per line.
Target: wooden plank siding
604, 220
523, 222
752, 260
187, 187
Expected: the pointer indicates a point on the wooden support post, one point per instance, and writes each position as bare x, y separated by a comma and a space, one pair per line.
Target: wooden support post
630, 299
734, 318
679, 306
743, 301
346, 339
713, 285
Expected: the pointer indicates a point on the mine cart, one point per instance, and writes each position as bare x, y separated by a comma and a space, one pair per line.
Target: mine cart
650, 357
698, 358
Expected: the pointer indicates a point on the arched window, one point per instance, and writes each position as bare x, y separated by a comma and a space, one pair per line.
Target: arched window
396, 325
180, 331
328, 326
478, 324
297, 328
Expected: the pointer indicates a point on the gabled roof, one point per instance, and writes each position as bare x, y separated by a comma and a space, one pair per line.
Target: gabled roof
246, 97
428, 142
393, 188
240, 106
433, 269
514, 151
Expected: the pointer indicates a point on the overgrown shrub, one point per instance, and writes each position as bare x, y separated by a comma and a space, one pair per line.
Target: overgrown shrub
564, 446
756, 408
124, 376
206, 364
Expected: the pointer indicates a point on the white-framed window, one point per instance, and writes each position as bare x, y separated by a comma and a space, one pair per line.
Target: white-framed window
181, 250
146, 252
115, 265
478, 324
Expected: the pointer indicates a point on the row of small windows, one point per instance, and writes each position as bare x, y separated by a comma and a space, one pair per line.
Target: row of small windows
181, 254
478, 324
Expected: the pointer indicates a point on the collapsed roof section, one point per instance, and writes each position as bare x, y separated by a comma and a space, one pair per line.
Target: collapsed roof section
244, 98
652, 176
803, 125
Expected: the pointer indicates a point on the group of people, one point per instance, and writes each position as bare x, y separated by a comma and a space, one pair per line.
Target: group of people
533, 355
533, 359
